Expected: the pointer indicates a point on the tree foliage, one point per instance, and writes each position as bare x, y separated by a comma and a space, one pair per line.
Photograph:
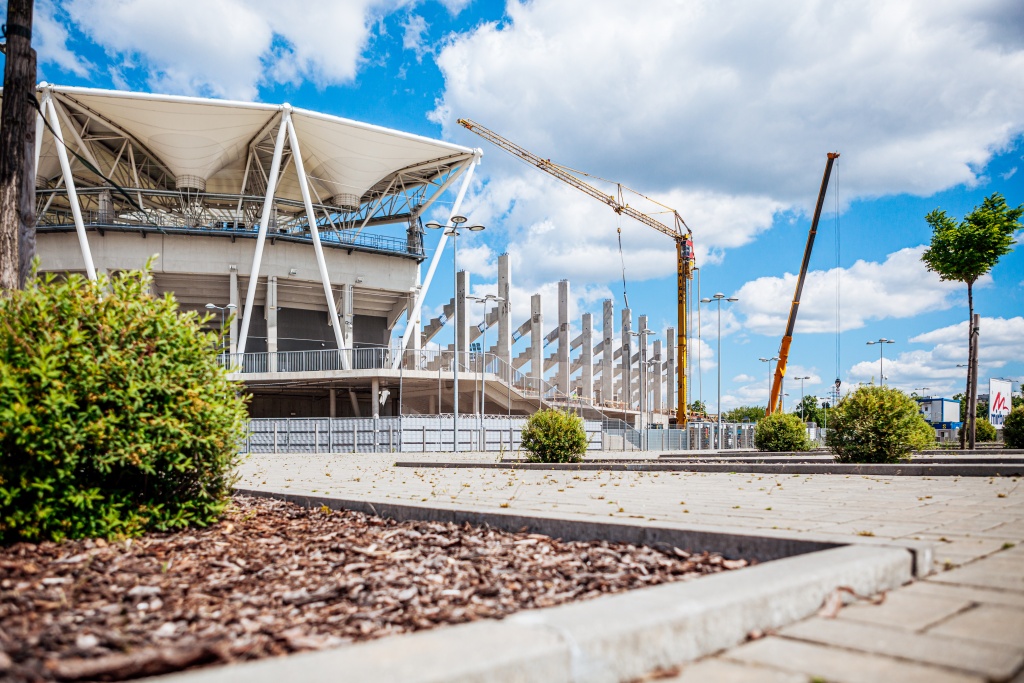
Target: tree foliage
985, 430
1013, 428
115, 417
555, 436
744, 414
877, 425
967, 250
812, 410
781, 432
699, 408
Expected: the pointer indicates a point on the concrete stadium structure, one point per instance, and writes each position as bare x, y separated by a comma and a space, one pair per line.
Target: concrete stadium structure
309, 226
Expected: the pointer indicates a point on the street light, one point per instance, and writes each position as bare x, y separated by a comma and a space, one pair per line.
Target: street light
881, 355
483, 365
229, 307
453, 232
801, 395
769, 360
718, 297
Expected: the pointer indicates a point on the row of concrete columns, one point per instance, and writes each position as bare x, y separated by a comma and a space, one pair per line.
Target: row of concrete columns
608, 372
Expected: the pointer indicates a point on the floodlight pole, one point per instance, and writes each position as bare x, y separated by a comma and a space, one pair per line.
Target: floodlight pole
881, 356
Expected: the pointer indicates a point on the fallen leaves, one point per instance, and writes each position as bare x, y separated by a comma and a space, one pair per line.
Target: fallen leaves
274, 578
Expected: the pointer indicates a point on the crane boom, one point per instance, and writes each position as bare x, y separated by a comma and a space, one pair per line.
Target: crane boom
775, 399
680, 232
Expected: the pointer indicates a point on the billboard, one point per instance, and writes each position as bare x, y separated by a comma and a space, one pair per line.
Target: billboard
999, 401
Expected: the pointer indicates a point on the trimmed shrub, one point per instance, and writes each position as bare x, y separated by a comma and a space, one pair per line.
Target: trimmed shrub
1013, 428
781, 432
877, 425
115, 417
983, 430
555, 436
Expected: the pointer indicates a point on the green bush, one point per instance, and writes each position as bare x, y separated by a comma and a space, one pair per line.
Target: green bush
781, 432
983, 430
877, 425
555, 436
1013, 428
115, 418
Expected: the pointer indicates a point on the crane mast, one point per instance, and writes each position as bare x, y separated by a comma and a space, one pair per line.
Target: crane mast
679, 231
775, 398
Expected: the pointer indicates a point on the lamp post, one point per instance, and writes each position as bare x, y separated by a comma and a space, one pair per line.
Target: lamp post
453, 232
229, 307
769, 360
881, 356
801, 395
483, 365
718, 298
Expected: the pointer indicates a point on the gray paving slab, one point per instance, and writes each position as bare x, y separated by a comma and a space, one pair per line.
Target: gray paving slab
991, 661
906, 610
998, 625
725, 671
838, 665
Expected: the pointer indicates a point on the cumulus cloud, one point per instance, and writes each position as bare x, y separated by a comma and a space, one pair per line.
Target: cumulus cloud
414, 35
50, 37
744, 98
899, 287
935, 368
227, 48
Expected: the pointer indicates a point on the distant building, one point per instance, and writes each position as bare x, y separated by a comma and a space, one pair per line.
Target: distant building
943, 414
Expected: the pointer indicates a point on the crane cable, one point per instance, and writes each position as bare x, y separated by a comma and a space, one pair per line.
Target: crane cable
622, 258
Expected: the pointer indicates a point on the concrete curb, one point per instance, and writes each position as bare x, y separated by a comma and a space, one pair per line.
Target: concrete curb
901, 470
614, 638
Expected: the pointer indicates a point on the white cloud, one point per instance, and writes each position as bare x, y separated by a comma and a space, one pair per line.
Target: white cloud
745, 99
935, 368
226, 48
414, 35
899, 287
50, 36
454, 7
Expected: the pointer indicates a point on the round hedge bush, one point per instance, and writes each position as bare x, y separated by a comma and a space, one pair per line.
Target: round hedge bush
877, 425
1013, 428
983, 430
115, 417
781, 432
555, 436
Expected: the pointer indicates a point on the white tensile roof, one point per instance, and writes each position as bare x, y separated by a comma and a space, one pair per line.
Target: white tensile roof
209, 139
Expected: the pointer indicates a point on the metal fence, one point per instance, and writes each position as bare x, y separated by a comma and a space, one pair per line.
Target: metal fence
436, 433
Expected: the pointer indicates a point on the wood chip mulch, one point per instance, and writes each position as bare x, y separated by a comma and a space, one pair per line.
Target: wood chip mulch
274, 578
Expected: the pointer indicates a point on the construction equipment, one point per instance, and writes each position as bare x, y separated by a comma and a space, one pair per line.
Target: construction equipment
679, 232
775, 398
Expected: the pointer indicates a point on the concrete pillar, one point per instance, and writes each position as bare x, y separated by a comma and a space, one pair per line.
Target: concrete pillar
235, 312
563, 366
271, 313
645, 372
375, 397
462, 315
432, 408
608, 351
415, 342
345, 313
657, 378
587, 358
504, 343
536, 341
626, 361
332, 395
670, 371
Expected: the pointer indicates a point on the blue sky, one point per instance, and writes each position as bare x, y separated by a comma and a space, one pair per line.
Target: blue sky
724, 111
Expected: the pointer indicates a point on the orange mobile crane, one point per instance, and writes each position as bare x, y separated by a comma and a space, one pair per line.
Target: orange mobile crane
775, 399
680, 232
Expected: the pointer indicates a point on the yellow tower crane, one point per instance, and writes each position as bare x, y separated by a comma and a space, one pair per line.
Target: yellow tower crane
679, 231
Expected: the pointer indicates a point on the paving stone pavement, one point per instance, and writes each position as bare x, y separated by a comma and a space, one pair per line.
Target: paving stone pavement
965, 622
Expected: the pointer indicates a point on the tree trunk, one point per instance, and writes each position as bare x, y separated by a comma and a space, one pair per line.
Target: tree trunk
964, 428
15, 115
976, 331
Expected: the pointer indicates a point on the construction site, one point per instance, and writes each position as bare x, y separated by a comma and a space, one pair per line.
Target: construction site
282, 222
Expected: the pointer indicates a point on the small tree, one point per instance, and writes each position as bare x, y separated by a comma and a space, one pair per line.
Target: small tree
555, 436
877, 425
967, 250
699, 408
1013, 428
744, 414
781, 432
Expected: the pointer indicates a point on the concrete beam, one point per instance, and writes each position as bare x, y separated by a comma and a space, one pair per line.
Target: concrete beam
462, 313
657, 377
587, 357
233, 299
504, 309
563, 337
536, 341
270, 310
